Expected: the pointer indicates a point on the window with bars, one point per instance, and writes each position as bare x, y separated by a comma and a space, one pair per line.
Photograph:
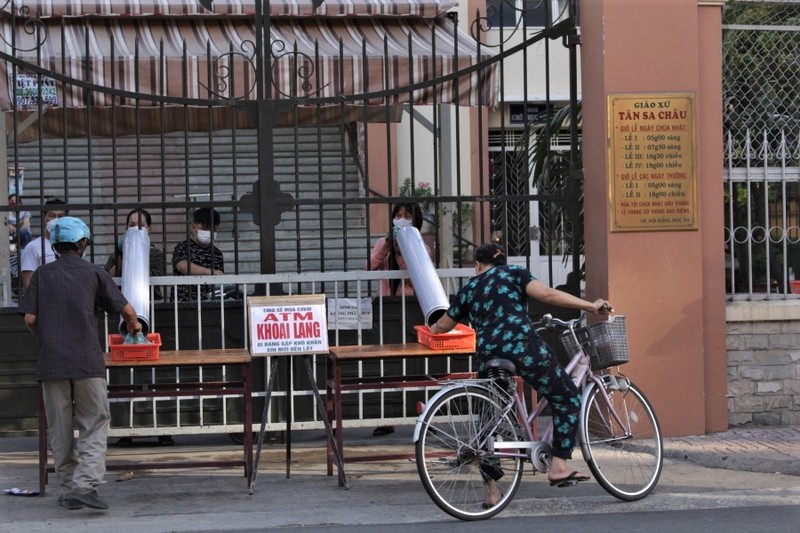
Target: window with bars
527, 13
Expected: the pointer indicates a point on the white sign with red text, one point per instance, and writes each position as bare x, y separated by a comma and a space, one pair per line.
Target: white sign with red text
288, 325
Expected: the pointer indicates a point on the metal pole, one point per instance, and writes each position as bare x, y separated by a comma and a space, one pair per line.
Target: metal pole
575, 166
447, 188
5, 249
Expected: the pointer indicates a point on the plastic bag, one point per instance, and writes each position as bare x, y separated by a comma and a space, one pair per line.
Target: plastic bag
21, 492
139, 338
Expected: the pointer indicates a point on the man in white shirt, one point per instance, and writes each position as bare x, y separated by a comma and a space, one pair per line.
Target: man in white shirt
32, 253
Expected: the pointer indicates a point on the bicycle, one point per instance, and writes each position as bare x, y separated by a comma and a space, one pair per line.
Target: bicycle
478, 428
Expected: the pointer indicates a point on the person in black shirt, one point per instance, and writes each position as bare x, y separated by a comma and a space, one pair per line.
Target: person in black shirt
61, 308
198, 256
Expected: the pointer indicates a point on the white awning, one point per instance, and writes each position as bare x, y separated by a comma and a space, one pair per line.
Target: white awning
233, 8
170, 49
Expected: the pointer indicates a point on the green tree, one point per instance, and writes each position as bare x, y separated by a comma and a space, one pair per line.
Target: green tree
761, 75
551, 176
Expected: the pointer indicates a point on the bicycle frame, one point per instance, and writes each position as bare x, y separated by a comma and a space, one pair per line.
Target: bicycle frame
582, 376
579, 371
474, 436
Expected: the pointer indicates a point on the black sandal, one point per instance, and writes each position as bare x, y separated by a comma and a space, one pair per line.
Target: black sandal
569, 481
380, 431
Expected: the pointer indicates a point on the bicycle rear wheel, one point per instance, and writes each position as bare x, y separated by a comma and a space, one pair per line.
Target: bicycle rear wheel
626, 458
454, 452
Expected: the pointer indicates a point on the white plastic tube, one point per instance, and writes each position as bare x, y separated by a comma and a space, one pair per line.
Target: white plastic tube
136, 275
427, 285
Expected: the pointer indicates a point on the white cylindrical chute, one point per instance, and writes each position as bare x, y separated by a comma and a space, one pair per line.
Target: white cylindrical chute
427, 285
136, 275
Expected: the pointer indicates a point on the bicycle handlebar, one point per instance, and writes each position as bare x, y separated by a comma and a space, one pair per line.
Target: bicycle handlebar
548, 321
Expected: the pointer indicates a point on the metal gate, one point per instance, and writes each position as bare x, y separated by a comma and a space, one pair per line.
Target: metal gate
302, 124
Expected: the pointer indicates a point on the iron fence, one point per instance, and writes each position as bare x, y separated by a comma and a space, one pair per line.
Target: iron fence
296, 124
221, 322
762, 220
761, 81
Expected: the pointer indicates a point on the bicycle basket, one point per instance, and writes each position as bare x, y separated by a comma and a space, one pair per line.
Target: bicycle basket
605, 342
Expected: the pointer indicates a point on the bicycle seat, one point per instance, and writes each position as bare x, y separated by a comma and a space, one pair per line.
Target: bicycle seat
495, 367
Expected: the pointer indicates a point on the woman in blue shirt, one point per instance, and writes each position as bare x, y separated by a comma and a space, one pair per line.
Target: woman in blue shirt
494, 303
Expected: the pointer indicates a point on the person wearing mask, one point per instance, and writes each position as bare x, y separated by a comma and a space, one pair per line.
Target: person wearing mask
386, 255
137, 218
61, 309
19, 226
494, 303
197, 256
39, 252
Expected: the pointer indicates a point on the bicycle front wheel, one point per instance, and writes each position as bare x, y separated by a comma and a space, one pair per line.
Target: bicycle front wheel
624, 452
455, 456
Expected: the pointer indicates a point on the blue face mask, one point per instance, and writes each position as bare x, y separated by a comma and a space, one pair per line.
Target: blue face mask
402, 223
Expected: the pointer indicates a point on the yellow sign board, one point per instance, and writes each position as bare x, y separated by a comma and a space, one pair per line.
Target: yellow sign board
652, 171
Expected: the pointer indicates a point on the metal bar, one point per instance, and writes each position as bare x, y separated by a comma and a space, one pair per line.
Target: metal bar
576, 169
328, 429
5, 251
262, 431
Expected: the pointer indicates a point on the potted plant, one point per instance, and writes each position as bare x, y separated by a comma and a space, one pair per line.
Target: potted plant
420, 191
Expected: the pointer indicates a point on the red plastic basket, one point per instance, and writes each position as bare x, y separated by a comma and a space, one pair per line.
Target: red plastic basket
795, 286
460, 338
134, 352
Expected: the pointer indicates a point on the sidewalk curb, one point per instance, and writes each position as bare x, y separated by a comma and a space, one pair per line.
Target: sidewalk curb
769, 450
712, 459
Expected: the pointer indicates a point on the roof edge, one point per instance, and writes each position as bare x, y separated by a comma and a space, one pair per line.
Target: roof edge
47, 9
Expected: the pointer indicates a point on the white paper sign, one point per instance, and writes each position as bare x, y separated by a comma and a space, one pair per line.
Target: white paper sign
348, 313
288, 325
29, 87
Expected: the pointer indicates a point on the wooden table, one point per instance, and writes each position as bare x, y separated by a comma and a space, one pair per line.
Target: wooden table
182, 358
336, 384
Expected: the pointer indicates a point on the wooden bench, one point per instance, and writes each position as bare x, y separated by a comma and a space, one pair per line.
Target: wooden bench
181, 358
336, 384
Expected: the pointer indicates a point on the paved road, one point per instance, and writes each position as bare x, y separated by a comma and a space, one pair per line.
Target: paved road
381, 492
775, 519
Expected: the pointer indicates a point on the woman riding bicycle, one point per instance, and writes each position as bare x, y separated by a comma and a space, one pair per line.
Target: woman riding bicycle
494, 303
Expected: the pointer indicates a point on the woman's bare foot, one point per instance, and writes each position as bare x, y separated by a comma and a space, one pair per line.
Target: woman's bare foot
493, 494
